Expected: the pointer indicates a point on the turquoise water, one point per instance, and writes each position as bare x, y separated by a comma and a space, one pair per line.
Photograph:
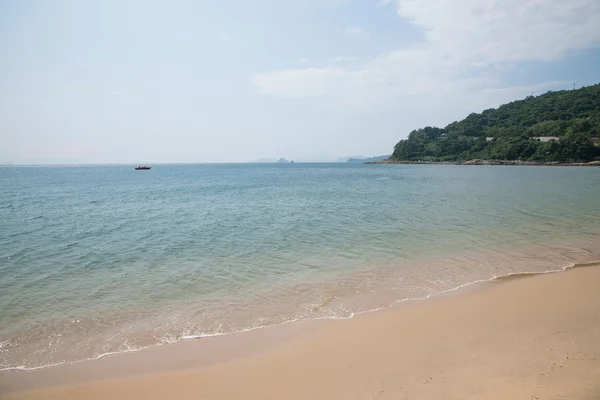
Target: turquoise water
103, 259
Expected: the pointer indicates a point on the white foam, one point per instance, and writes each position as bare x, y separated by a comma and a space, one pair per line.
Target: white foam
352, 314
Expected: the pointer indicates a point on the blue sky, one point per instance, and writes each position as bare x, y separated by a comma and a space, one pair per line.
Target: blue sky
210, 81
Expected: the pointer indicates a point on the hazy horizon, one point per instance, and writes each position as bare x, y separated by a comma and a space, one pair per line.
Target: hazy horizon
307, 80
308, 160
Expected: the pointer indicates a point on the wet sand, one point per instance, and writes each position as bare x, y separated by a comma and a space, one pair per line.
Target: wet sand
529, 337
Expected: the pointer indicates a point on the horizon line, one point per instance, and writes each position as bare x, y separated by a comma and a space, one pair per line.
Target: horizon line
163, 163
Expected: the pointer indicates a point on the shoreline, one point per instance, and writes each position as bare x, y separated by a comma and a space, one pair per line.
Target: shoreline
230, 350
390, 283
493, 162
460, 288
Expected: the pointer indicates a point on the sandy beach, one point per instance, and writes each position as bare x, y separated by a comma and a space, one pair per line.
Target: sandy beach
523, 337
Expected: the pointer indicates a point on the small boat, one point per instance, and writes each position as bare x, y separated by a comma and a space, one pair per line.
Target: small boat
142, 168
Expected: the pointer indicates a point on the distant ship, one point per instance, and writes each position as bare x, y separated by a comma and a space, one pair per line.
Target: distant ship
142, 168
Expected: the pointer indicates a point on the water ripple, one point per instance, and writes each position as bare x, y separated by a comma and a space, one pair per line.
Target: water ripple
98, 260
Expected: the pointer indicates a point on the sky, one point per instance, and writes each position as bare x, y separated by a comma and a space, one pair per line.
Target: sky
144, 81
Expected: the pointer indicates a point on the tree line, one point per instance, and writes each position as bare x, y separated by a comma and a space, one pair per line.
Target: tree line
556, 126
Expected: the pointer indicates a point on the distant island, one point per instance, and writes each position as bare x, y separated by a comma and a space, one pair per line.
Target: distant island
554, 128
367, 159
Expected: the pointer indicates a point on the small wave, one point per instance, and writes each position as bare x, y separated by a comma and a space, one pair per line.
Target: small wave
24, 368
351, 315
112, 353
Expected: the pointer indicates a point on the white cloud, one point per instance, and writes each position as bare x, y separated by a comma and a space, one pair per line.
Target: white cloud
340, 60
505, 31
355, 31
466, 50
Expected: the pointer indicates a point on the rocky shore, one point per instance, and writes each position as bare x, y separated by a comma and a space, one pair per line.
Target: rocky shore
491, 162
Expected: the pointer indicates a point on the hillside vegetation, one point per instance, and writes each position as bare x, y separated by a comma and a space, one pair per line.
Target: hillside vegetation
556, 126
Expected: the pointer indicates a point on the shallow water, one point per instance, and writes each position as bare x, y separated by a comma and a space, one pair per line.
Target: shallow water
104, 259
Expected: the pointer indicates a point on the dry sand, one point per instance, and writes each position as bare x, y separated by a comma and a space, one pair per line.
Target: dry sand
535, 337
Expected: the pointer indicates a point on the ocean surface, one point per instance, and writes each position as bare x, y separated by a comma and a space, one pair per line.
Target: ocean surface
96, 260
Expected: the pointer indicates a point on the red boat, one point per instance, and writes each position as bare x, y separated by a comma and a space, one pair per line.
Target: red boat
140, 168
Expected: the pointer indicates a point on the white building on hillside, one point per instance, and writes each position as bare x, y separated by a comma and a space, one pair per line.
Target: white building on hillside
547, 138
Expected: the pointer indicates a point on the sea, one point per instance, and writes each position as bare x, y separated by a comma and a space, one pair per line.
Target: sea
98, 260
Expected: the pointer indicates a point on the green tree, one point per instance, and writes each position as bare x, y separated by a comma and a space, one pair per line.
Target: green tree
572, 115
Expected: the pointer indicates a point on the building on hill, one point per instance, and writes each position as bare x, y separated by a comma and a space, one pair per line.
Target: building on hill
547, 138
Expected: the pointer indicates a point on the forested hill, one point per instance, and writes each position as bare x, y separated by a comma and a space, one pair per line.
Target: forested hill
556, 126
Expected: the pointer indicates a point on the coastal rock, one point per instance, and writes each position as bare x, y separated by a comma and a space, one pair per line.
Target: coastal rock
493, 162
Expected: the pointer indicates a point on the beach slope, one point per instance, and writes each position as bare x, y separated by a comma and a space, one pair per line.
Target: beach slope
524, 337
